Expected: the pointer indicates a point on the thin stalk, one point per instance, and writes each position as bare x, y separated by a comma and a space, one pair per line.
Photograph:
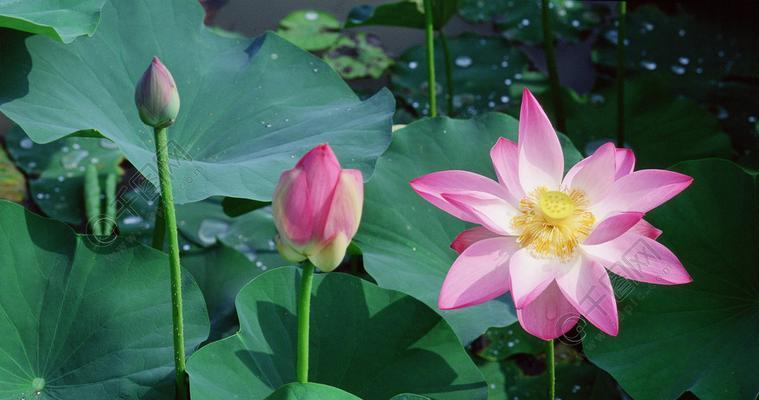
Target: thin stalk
431, 83
159, 227
551, 366
553, 72
164, 176
448, 72
92, 199
621, 75
304, 314
110, 204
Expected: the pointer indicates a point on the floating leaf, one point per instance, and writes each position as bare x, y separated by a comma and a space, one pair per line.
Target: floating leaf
404, 239
63, 20
358, 56
249, 109
310, 391
57, 170
488, 74
82, 321
356, 327
699, 337
309, 29
520, 20
660, 128
406, 13
12, 181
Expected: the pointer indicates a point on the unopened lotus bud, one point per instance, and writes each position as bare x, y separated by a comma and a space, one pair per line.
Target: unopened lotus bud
317, 208
156, 96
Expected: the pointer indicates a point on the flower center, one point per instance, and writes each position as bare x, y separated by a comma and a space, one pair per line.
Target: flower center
556, 206
552, 223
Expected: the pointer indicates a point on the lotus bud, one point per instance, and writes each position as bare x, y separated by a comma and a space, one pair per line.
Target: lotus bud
317, 208
156, 96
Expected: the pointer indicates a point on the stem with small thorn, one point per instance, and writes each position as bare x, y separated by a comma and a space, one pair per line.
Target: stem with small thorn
431, 83
551, 367
621, 75
164, 176
304, 315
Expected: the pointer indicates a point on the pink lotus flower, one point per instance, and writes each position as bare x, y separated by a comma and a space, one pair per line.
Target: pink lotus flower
317, 209
548, 240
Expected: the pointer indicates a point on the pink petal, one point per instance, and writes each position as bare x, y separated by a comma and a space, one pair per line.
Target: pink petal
549, 316
642, 191
625, 162
347, 203
491, 211
322, 170
505, 157
530, 276
587, 286
613, 226
479, 274
292, 209
432, 186
594, 175
639, 258
541, 160
469, 237
644, 228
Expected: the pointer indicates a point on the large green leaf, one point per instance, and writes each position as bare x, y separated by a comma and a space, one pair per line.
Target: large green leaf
78, 321
405, 240
57, 170
249, 110
369, 341
488, 74
310, 391
358, 56
63, 20
662, 129
699, 337
405, 13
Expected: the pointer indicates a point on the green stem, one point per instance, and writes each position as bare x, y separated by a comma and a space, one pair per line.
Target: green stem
159, 227
110, 204
431, 83
553, 72
304, 313
551, 366
621, 75
164, 176
92, 199
448, 72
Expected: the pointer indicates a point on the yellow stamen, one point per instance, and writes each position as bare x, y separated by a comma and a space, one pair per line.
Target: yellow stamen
553, 223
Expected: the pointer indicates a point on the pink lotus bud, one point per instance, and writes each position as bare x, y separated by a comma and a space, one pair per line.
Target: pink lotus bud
317, 209
156, 96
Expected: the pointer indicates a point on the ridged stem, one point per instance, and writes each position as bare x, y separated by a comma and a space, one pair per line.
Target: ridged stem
431, 83
621, 75
110, 204
551, 367
164, 176
92, 199
448, 72
304, 315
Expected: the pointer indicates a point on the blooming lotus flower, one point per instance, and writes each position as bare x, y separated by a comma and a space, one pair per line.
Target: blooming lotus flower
551, 240
317, 209
156, 96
